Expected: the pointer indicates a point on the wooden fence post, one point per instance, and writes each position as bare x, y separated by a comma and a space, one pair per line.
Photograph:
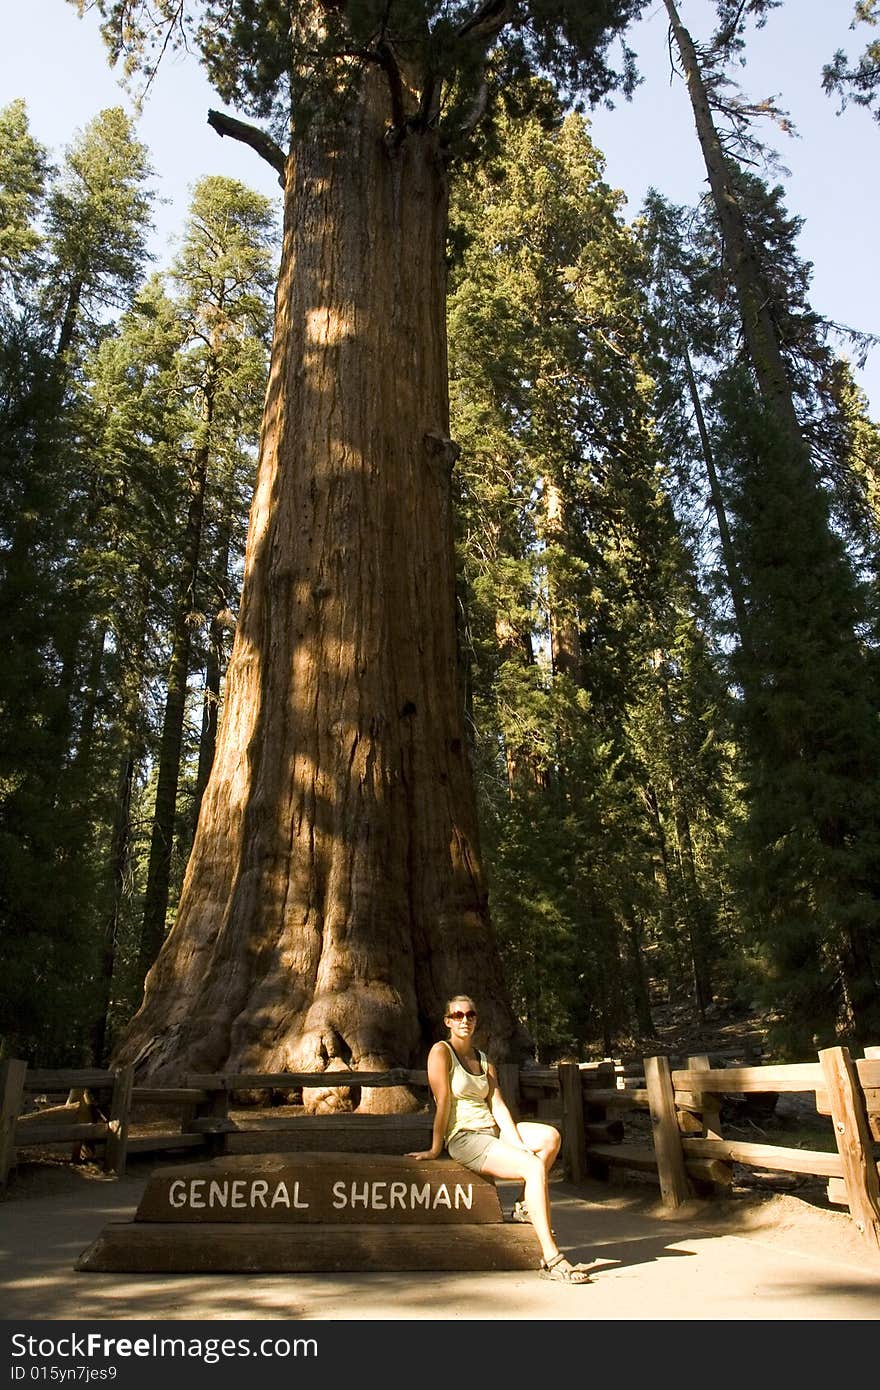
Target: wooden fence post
873, 1054
211, 1120
674, 1185
709, 1105
116, 1148
83, 1150
574, 1144
854, 1141
709, 1102
12, 1074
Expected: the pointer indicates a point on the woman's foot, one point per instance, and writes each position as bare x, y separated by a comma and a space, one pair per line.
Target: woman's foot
560, 1268
520, 1213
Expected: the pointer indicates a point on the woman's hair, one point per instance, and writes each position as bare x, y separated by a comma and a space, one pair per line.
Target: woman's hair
458, 999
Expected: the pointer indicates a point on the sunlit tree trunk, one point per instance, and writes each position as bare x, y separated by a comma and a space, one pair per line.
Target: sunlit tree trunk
334, 896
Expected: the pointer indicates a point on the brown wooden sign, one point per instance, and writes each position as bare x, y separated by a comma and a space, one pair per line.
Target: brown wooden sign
330, 1188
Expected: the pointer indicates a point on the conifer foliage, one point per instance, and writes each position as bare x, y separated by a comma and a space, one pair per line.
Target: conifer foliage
459, 587
104, 429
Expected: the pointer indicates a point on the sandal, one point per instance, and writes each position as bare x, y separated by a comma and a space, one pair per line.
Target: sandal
563, 1271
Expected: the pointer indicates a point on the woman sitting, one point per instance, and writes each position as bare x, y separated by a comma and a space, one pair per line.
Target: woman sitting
473, 1123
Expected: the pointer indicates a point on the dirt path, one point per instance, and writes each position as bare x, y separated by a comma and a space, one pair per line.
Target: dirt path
748, 1258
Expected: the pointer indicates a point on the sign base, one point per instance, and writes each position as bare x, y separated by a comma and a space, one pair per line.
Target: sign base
157, 1248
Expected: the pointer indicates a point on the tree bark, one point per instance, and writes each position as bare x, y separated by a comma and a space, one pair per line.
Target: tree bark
334, 897
759, 329
120, 841
728, 553
71, 317
210, 712
215, 663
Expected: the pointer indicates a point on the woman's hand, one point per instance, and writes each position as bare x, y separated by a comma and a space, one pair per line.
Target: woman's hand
424, 1153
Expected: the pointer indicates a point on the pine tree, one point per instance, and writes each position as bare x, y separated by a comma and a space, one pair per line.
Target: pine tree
24, 169
820, 982
809, 862
98, 222
47, 593
135, 424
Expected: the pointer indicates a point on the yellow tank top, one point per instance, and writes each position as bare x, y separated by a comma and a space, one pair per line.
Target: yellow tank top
469, 1107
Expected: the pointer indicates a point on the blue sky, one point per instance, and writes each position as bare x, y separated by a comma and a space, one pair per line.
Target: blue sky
57, 63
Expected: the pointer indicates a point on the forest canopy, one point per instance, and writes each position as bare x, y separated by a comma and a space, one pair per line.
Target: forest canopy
509, 624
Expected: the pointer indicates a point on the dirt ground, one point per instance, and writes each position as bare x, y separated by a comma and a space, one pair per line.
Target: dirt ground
755, 1255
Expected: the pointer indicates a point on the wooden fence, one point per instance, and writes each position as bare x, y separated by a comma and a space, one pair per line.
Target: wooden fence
594, 1104
688, 1152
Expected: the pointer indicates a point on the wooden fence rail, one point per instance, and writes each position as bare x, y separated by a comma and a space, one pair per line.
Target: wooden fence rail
591, 1102
689, 1152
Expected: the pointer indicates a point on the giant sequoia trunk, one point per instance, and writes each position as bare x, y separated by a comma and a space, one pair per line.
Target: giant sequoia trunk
334, 895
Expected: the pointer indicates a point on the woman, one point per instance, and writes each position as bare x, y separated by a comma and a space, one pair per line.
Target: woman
473, 1123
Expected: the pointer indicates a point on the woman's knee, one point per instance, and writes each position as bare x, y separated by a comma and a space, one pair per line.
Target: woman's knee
542, 1139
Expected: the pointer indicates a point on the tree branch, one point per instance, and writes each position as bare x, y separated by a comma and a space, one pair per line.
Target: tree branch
487, 20
388, 63
477, 110
251, 135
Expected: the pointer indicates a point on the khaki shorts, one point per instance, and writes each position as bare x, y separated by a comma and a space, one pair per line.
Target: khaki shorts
470, 1146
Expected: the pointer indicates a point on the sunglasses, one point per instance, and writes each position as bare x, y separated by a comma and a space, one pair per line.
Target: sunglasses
461, 1015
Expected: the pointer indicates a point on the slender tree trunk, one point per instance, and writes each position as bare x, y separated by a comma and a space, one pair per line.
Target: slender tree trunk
728, 554
862, 979
120, 841
73, 645
171, 741
699, 934
758, 327
694, 907
605, 929
636, 976
71, 315
86, 731
334, 896
131, 739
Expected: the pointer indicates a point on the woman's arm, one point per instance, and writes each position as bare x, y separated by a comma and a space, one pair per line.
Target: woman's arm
438, 1079
500, 1113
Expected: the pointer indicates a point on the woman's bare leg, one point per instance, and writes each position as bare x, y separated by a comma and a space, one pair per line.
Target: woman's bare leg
543, 1140
505, 1162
